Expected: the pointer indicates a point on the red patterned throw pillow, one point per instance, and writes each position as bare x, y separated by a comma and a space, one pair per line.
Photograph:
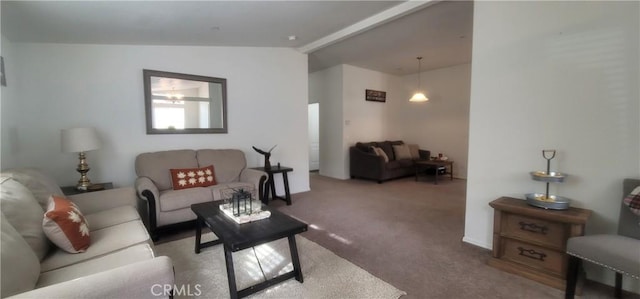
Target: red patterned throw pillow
65, 225
192, 177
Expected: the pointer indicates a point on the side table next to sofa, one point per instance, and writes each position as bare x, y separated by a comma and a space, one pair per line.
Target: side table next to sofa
72, 190
271, 185
421, 165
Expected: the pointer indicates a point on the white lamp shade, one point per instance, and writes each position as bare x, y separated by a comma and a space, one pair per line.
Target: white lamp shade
418, 97
79, 140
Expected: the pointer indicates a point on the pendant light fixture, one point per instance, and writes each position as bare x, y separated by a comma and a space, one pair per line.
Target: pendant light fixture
418, 96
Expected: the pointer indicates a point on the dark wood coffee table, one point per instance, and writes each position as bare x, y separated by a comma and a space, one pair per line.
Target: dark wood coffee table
235, 237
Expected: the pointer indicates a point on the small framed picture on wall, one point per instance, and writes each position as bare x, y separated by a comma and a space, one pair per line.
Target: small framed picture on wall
375, 95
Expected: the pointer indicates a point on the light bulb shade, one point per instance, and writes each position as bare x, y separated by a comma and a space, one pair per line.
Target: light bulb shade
79, 140
418, 97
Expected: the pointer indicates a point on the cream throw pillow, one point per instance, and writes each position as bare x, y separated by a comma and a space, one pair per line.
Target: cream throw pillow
415, 151
39, 184
24, 213
380, 152
20, 266
401, 151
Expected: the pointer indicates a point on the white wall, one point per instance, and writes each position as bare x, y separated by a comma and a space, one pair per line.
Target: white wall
8, 92
325, 88
66, 85
554, 75
440, 125
345, 116
367, 120
314, 136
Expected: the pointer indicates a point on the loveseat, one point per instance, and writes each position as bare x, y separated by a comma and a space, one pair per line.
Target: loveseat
166, 201
384, 160
119, 261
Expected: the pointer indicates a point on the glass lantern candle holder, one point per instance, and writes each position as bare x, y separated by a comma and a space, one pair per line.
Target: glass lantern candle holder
241, 202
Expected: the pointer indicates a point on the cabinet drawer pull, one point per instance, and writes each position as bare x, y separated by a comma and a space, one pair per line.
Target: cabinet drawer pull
534, 228
532, 254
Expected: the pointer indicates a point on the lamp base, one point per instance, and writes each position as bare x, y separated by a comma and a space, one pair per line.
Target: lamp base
83, 183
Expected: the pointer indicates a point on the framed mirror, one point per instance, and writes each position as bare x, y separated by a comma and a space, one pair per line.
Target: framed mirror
184, 104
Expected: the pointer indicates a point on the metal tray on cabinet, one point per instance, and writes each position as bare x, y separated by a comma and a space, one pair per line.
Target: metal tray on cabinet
553, 202
552, 176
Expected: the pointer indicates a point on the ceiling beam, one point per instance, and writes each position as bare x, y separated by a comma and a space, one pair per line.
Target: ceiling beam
371, 22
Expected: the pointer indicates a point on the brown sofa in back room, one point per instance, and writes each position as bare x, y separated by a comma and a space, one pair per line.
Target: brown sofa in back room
366, 164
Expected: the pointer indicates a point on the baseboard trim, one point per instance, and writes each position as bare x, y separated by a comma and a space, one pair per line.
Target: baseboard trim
477, 243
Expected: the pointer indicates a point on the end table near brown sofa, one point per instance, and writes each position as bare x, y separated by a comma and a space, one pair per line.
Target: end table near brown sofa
421, 165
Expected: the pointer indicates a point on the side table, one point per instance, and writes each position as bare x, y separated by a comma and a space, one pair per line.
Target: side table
531, 241
271, 185
71, 190
422, 164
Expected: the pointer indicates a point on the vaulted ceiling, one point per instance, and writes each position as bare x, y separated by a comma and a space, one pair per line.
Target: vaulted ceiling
386, 36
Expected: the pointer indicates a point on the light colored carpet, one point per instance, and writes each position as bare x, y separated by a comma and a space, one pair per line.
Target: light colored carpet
326, 275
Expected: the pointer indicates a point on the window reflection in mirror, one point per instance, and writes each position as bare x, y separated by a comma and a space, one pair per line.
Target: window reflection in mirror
184, 104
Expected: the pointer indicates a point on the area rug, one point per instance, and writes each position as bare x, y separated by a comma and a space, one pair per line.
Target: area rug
326, 275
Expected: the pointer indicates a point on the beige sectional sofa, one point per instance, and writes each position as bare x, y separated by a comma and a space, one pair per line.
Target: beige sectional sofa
162, 206
119, 263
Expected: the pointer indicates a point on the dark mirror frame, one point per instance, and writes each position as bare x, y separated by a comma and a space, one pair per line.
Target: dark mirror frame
147, 74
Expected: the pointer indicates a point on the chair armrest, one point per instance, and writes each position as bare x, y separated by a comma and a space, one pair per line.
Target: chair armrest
144, 183
92, 202
145, 279
366, 165
148, 194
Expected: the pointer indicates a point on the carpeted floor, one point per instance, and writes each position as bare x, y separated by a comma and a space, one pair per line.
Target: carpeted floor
409, 234
325, 274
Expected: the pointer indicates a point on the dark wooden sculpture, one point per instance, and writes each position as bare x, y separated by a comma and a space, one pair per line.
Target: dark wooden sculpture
266, 155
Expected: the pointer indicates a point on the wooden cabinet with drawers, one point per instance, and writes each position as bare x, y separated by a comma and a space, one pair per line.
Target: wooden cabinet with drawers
531, 241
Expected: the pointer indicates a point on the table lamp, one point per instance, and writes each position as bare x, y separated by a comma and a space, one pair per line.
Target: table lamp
80, 140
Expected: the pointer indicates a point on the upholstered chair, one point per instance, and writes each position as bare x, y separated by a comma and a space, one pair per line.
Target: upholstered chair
619, 252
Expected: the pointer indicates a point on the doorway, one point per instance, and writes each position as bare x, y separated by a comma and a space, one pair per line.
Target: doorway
314, 137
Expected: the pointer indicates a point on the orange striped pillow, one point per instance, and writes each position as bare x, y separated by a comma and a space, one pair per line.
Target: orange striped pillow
65, 225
